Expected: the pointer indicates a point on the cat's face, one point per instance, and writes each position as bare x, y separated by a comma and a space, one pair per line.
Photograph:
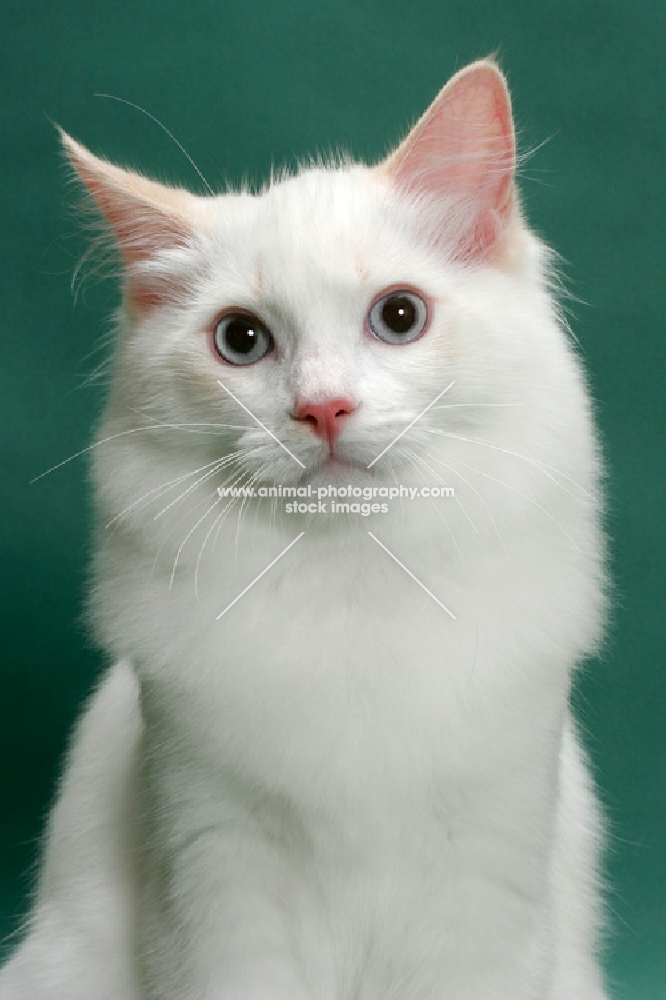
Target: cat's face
320, 309
301, 333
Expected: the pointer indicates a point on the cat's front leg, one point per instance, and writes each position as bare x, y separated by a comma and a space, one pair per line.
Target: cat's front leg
218, 923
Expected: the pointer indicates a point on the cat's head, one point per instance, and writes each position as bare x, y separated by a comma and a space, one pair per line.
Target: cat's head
298, 333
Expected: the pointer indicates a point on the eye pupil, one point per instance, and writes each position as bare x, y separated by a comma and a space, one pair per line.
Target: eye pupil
399, 313
241, 335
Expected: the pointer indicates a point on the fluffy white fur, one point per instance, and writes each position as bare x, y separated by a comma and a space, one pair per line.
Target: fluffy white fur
335, 791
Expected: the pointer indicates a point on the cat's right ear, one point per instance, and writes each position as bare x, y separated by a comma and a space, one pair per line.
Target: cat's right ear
463, 150
145, 218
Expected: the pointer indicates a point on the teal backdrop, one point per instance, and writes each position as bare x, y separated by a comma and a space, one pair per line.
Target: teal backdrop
244, 85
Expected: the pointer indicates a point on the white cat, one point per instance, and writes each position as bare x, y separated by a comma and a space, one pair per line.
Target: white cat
359, 780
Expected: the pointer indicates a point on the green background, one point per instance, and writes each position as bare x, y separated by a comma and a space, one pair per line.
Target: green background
243, 85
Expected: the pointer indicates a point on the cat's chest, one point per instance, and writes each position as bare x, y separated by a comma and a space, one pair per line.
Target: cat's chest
338, 680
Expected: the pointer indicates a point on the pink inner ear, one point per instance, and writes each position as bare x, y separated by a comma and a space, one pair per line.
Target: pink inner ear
464, 145
469, 138
141, 231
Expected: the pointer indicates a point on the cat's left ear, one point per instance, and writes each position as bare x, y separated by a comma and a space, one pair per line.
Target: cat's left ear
145, 218
463, 150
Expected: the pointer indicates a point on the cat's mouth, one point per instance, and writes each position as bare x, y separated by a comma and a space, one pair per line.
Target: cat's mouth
336, 466
334, 462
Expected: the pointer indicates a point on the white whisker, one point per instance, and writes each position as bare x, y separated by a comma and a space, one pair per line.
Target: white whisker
178, 520
474, 490
159, 490
96, 444
187, 513
437, 510
220, 517
189, 534
188, 425
453, 406
234, 499
524, 496
542, 466
456, 497
137, 107
227, 460
244, 503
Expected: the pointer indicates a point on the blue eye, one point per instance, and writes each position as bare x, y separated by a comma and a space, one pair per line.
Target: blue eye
398, 317
242, 339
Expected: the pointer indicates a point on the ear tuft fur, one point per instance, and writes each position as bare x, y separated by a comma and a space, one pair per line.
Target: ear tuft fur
145, 217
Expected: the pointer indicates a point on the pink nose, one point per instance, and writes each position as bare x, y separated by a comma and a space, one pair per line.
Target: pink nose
325, 418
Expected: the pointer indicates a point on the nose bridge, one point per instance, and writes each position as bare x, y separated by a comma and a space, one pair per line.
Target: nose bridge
322, 372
